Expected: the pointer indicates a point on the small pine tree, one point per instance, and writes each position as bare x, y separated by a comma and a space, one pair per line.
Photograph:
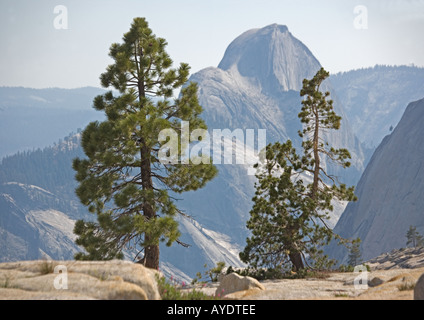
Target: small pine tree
288, 218
277, 219
355, 254
414, 238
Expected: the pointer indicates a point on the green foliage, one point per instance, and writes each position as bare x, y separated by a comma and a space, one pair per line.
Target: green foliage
169, 291
414, 238
210, 274
265, 273
288, 217
351, 268
355, 253
96, 247
261, 274
122, 179
345, 268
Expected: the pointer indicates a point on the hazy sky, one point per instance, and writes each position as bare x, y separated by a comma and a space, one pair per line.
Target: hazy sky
34, 53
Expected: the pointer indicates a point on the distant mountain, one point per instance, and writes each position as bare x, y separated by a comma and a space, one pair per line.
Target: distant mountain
375, 99
257, 85
270, 59
32, 227
389, 192
38, 207
49, 168
37, 118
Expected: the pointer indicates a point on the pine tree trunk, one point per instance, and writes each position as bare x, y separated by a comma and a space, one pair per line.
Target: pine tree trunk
296, 260
151, 256
151, 250
316, 157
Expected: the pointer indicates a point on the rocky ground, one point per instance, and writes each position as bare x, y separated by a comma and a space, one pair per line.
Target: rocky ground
393, 276
392, 285
406, 258
396, 284
77, 280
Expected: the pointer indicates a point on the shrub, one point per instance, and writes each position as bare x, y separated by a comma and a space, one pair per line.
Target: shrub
169, 291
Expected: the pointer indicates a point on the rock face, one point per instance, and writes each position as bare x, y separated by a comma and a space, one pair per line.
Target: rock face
63, 280
34, 225
389, 192
233, 283
419, 289
271, 58
257, 85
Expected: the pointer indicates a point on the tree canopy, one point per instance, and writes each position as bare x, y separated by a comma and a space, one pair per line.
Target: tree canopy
122, 179
294, 193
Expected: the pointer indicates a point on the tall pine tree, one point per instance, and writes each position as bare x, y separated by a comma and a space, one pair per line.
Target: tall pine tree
123, 179
289, 216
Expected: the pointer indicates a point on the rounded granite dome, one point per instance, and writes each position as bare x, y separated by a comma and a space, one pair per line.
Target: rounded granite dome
271, 55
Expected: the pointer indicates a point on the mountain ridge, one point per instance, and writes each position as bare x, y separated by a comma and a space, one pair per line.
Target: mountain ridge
376, 98
271, 58
389, 191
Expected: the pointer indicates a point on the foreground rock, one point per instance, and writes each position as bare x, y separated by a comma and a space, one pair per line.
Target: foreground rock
419, 289
235, 283
82, 280
389, 192
396, 275
105, 280
394, 284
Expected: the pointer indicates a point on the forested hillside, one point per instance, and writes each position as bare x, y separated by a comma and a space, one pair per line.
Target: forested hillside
49, 168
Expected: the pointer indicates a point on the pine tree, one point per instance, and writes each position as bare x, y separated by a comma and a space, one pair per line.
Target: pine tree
354, 257
278, 231
414, 237
123, 179
288, 218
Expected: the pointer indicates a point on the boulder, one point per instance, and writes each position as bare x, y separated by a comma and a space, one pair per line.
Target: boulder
82, 280
233, 282
419, 289
375, 282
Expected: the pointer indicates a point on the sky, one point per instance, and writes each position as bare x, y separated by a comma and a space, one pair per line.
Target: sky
65, 43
